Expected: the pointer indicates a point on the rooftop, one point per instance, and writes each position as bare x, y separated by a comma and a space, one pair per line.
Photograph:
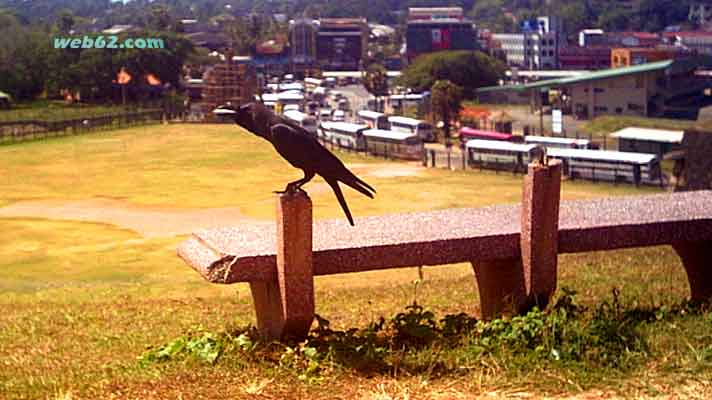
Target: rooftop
650, 135
591, 76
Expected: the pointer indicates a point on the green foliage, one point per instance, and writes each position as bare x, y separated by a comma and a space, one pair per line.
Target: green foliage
609, 336
447, 103
202, 346
248, 31
496, 15
375, 80
467, 69
23, 59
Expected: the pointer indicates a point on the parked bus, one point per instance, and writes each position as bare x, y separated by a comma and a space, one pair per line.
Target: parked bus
305, 121
414, 126
343, 104
291, 98
373, 119
402, 101
312, 83
548, 141
467, 133
393, 144
338, 115
498, 154
616, 166
347, 135
323, 131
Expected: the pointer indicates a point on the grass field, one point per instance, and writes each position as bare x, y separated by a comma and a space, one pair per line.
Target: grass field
81, 301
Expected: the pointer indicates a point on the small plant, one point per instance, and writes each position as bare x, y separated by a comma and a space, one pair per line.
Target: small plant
608, 336
202, 346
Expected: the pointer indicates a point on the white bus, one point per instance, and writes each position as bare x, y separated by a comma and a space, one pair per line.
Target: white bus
312, 83
291, 97
347, 135
373, 119
548, 141
323, 131
497, 154
415, 126
305, 121
609, 165
393, 144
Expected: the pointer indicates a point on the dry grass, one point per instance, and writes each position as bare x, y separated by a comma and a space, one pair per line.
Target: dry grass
82, 300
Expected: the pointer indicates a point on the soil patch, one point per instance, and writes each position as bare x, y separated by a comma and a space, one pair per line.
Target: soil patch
148, 221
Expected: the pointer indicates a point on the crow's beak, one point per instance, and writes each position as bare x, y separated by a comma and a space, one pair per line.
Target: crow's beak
224, 111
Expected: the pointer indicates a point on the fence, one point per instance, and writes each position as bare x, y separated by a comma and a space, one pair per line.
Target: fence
19, 131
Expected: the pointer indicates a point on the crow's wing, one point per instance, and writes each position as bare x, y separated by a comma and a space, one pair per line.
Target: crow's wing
297, 147
305, 152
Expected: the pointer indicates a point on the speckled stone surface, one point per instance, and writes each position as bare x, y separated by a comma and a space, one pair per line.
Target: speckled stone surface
540, 216
247, 253
635, 221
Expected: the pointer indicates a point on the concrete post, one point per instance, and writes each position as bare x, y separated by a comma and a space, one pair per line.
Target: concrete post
285, 307
514, 286
540, 229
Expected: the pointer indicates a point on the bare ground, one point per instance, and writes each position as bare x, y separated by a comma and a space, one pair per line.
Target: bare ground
154, 221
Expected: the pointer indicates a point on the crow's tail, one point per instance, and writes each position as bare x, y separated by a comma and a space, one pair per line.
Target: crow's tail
340, 196
354, 182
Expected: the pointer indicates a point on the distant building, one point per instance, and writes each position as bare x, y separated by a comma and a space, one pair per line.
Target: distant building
591, 37
436, 29
435, 13
302, 46
698, 41
632, 39
272, 56
446, 34
628, 56
585, 58
233, 81
529, 50
381, 33
668, 88
537, 46
341, 43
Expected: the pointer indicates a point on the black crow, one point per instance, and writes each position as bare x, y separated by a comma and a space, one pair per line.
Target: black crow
299, 148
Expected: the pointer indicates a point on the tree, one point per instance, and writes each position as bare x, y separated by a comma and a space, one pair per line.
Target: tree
23, 59
446, 102
65, 21
375, 80
468, 69
159, 18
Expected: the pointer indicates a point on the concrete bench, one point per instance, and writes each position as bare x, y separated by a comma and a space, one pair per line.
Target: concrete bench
513, 248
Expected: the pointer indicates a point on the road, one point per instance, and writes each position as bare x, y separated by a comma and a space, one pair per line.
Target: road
358, 99
357, 96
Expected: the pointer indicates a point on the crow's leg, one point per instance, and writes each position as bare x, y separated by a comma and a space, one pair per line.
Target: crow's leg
307, 177
297, 185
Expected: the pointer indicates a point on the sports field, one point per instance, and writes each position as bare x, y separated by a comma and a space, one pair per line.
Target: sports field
90, 280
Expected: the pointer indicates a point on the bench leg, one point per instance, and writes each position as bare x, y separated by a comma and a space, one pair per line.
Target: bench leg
268, 309
697, 260
285, 306
501, 287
